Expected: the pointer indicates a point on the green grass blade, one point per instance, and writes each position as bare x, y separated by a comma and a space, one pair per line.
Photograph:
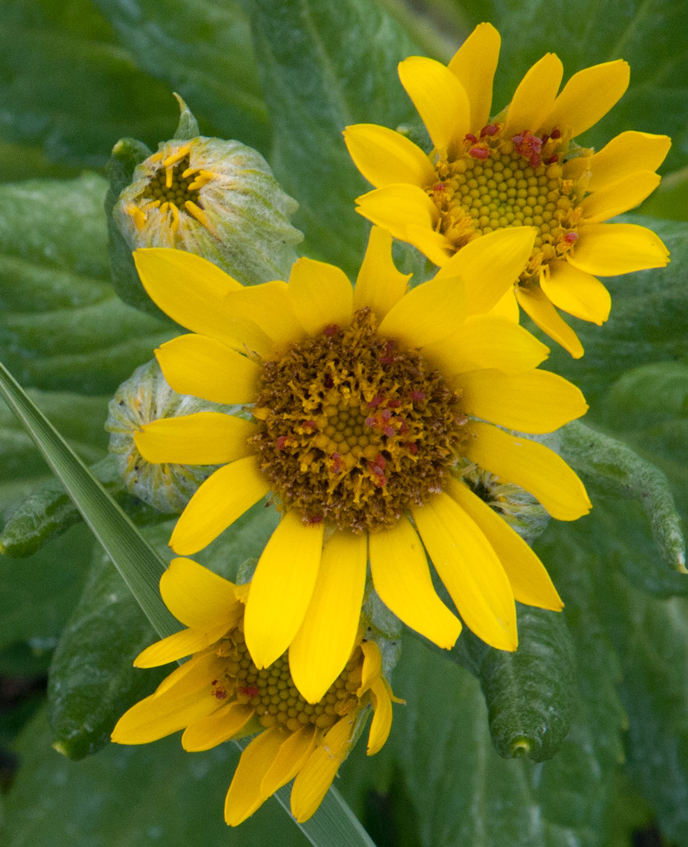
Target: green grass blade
137, 562
334, 824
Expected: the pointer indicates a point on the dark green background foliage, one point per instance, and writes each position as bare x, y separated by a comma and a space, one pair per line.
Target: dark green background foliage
577, 740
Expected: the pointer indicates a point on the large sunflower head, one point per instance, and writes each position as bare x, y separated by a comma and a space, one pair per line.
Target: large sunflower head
521, 167
363, 409
219, 694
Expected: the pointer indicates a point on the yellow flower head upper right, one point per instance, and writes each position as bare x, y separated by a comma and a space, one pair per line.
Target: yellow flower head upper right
519, 168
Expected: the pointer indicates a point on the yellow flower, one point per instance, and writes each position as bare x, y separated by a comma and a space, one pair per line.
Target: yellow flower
520, 168
220, 694
364, 406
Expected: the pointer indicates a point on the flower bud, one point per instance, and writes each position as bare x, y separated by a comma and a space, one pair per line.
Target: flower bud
217, 199
145, 397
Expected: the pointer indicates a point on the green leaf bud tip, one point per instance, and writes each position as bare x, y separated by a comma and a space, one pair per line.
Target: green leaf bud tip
217, 199
145, 397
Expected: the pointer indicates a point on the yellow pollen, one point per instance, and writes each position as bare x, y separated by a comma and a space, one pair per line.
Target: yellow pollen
500, 182
355, 430
176, 186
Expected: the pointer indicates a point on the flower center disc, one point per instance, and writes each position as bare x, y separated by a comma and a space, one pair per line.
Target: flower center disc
500, 182
169, 185
356, 430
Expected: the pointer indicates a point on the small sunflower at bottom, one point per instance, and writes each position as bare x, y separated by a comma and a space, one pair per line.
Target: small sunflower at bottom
220, 694
365, 405
521, 167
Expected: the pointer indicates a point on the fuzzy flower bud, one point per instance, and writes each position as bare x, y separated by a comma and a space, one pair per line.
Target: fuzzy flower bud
217, 199
145, 397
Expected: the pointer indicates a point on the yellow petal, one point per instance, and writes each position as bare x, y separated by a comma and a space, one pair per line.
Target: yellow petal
532, 466
610, 249
327, 636
316, 776
474, 65
320, 294
204, 438
395, 207
217, 728
244, 795
177, 678
402, 580
507, 307
627, 153
576, 292
269, 306
535, 303
189, 289
385, 157
529, 580
490, 265
207, 368
372, 666
427, 313
379, 284
484, 341
440, 99
431, 243
588, 96
162, 714
180, 644
470, 570
382, 717
293, 754
620, 196
198, 597
282, 588
533, 401
535, 96
220, 500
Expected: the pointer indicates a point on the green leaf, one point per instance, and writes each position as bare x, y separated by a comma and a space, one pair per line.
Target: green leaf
648, 35
70, 87
203, 51
324, 66
156, 793
647, 322
38, 594
670, 200
61, 325
92, 679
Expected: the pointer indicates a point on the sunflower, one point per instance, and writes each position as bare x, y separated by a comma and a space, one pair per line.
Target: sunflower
521, 167
363, 409
220, 694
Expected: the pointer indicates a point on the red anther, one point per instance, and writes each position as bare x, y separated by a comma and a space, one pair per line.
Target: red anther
386, 415
336, 462
555, 133
490, 129
281, 442
571, 237
389, 431
552, 160
381, 480
249, 690
417, 396
471, 138
394, 404
529, 146
330, 330
479, 152
309, 425
412, 448
375, 402
380, 461
403, 428
370, 422
309, 520
439, 186
220, 693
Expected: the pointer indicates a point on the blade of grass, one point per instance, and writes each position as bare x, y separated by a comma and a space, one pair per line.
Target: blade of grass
334, 824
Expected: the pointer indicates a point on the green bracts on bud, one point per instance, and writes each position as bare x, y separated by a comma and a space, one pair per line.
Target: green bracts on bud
145, 397
611, 468
215, 198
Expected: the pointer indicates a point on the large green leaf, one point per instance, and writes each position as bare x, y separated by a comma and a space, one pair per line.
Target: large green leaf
61, 325
203, 51
649, 35
130, 796
69, 86
324, 66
